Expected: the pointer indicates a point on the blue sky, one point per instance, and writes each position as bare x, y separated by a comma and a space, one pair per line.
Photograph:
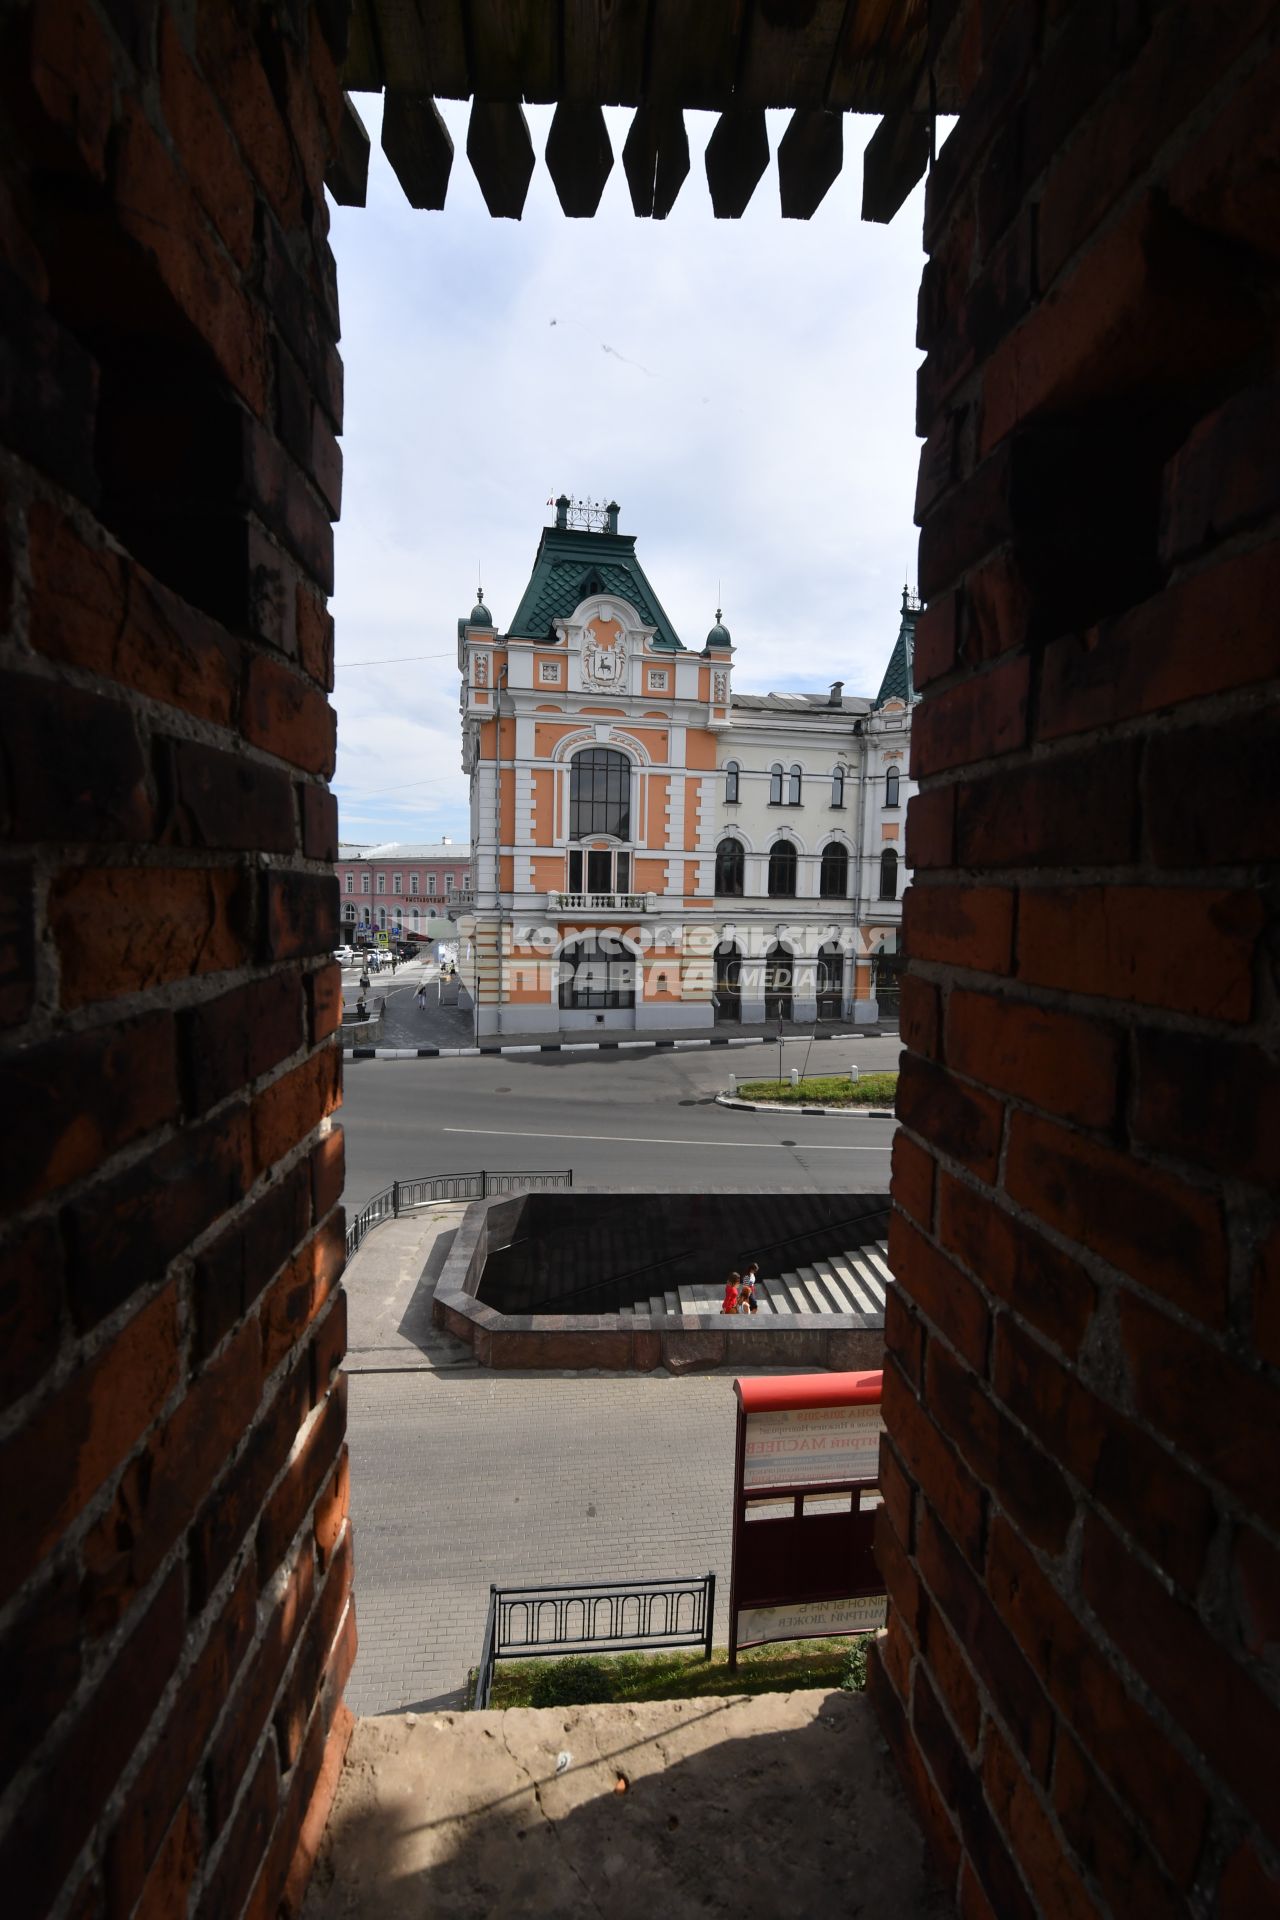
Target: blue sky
745, 389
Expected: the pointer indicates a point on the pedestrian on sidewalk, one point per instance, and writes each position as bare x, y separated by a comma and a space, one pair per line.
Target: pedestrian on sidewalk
421, 995
730, 1302
747, 1302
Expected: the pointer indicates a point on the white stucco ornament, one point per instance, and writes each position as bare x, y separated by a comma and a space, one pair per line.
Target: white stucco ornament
603, 666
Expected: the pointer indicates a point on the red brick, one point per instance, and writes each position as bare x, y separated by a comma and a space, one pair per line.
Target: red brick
1042, 1284
164, 1485
126, 929
72, 1786
332, 1509
1256, 1573
324, 998
953, 1770
301, 914
284, 1513
903, 1336
43, 1664
935, 1819
71, 77
294, 1300
132, 1227
1067, 1065
1059, 1893
949, 1671
1230, 1719
939, 462
83, 1098
302, 1688
1142, 310
935, 649
328, 1172
944, 1481
895, 1653
1234, 763
961, 926
969, 521
54, 1464
225, 801
318, 1803
169, 1767
329, 1347
957, 1119
319, 810
1223, 478
1247, 1888
173, 1874
238, 1499
233, 1040
998, 602
1266, 1298
898, 1574
229, 1884
931, 828
971, 1902
920, 1016
1105, 1839
228, 1275
156, 208
17, 945
1077, 810
950, 1300
231, 1755
288, 717
1218, 1423
1138, 1762
1023, 1479
238, 78
292, 1106
1209, 1103
289, 507
913, 1179
315, 638
979, 718
31, 1306
1189, 949
195, 122
1155, 657
1160, 1230
98, 794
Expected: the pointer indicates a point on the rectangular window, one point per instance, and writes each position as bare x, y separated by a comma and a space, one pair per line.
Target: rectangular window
575, 870
351, 881
395, 883
364, 883
600, 794
448, 884
382, 883
413, 883
599, 871
624, 873
431, 883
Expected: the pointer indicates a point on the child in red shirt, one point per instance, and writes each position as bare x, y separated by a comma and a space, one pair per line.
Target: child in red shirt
730, 1302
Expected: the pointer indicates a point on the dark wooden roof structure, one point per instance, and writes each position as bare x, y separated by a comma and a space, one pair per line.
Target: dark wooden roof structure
821, 58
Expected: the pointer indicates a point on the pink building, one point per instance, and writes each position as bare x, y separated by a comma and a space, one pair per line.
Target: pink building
402, 884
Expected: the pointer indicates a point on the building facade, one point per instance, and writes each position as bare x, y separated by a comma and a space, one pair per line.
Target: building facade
650, 848
402, 886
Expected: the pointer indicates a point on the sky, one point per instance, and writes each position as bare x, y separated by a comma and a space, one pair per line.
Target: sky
744, 389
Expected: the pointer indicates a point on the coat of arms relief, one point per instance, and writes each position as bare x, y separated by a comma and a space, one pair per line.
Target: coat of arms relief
604, 659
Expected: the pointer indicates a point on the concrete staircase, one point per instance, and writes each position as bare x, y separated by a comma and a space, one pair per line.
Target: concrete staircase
852, 1282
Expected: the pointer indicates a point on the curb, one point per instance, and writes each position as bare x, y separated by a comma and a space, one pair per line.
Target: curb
601, 1046
790, 1106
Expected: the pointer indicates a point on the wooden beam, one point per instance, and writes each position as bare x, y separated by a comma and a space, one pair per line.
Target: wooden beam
501, 155
789, 50
810, 156
515, 49
693, 52
416, 141
737, 155
348, 175
895, 159
579, 157
362, 71
656, 160
603, 50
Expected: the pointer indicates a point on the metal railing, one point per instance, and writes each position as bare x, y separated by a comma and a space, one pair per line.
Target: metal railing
406, 1196
594, 1616
560, 902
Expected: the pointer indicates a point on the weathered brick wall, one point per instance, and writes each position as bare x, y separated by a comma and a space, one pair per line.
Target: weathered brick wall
1082, 1522
175, 1598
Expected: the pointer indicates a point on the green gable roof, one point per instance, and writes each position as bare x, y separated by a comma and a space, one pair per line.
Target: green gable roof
572, 563
898, 682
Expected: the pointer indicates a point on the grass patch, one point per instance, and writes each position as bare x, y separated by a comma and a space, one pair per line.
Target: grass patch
682, 1675
825, 1090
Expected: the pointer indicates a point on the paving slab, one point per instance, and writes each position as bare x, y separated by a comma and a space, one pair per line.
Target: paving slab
782, 1803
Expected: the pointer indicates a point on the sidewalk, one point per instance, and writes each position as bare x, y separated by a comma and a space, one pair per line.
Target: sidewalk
448, 1030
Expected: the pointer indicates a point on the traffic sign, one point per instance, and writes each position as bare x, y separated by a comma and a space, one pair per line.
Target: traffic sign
384, 940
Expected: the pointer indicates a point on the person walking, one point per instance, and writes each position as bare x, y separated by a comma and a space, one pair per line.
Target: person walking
730, 1302
747, 1302
421, 995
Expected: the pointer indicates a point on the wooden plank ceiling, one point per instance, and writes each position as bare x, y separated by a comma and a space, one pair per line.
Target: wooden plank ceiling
821, 58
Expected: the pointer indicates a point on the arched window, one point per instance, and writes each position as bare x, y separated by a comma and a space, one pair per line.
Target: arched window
413, 915
833, 880
728, 981
731, 782
729, 867
891, 787
382, 918
888, 874
775, 784
778, 969
599, 794
793, 793
782, 870
597, 972
837, 787
349, 911
829, 980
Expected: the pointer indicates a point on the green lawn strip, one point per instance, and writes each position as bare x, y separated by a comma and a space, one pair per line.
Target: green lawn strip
825, 1090
581, 1678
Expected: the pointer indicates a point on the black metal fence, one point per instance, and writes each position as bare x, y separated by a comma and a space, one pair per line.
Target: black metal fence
594, 1617
405, 1196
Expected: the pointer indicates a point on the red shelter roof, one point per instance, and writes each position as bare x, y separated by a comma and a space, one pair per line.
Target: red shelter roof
789, 1392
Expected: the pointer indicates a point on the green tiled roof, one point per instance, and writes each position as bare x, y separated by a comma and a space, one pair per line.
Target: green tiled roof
898, 683
571, 564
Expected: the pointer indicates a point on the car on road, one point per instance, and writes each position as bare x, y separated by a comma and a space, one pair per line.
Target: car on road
346, 955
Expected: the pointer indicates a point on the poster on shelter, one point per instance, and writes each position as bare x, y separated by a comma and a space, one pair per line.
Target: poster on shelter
808, 1446
812, 1620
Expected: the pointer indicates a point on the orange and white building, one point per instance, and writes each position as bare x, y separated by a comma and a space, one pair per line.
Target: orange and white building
602, 753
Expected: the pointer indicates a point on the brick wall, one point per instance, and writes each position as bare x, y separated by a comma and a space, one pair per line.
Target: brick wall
1082, 1523
175, 1603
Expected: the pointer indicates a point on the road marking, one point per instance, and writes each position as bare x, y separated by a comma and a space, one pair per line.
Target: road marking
644, 1140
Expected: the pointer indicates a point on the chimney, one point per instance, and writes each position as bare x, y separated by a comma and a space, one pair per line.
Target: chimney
836, 695
611, 517
562, 510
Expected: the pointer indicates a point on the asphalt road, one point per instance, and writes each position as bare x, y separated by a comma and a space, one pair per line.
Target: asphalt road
642, 1120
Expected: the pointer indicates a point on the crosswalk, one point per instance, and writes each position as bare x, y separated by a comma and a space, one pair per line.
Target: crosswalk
852, 1282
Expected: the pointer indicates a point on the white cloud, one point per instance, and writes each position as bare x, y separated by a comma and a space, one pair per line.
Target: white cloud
754, 415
